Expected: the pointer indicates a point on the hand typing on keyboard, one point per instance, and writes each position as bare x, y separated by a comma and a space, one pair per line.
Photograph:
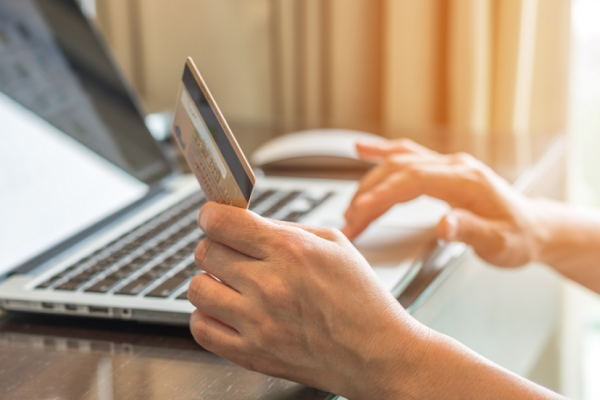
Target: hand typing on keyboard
486, 213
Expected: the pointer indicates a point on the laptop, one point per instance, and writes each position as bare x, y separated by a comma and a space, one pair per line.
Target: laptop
104, 226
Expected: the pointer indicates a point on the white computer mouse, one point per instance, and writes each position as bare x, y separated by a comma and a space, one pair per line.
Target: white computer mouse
314, 148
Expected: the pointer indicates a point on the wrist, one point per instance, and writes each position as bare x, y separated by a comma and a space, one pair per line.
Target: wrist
552, 231
423, 366
394, 370
541, 226
407, 360
568, 240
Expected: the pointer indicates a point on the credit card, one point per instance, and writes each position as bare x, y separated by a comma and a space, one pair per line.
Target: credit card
208, 144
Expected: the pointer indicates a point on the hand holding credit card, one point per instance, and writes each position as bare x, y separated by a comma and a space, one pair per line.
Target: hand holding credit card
208, 144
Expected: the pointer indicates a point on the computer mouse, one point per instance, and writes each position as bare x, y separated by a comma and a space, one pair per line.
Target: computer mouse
314, 149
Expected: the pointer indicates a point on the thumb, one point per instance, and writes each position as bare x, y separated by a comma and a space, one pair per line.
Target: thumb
484, 235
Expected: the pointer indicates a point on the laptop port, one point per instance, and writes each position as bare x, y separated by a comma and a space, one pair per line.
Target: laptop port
70, 307
124, 313
98, 310
48, 306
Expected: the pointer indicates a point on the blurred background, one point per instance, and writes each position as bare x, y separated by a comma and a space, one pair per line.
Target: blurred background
382, 65
481, 68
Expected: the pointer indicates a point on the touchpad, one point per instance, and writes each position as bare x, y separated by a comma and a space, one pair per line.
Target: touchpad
422, 213
392, 242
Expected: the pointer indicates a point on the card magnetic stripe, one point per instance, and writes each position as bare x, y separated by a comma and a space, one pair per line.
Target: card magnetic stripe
229, 154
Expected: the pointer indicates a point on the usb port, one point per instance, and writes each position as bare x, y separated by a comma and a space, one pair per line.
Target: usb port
70, 307
98, 310
48, 306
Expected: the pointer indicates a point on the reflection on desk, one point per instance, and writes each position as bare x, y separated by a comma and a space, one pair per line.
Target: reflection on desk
63, 358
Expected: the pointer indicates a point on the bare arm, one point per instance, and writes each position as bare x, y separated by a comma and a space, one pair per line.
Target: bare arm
301, 303
568, 239
504, 227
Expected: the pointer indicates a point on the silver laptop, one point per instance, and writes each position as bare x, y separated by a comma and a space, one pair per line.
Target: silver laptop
103, 226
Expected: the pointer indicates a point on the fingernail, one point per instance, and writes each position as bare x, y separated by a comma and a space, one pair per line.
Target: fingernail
203, 214
451, 227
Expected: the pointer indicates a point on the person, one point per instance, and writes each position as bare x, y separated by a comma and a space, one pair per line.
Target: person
300, 302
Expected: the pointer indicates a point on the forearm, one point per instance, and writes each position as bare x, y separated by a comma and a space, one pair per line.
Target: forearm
447, 369
568, 240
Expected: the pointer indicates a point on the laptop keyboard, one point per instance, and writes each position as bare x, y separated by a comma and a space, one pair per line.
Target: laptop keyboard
156, 258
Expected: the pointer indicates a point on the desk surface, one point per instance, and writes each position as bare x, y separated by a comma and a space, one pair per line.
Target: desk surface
63, 358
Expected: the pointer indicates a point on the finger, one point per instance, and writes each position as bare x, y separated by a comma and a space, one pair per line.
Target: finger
214, 336
487, 237
374, 203
217, 300
330, 234
393, 164
405, 185
237, 228
459, 185
378, 151
223, 262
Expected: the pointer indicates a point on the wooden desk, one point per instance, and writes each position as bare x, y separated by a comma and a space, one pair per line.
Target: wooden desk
508, 316
65, 358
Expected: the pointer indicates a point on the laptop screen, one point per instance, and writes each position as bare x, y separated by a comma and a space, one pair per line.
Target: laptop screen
74, 148
52, 63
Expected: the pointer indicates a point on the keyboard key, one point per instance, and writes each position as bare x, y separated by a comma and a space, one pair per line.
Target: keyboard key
182, 296
153, 274
58, 276
280, 204
166, 288
191, 247
102, 286
68, 285
162, 268
46, 284
113, 258
129, 248
136, 263
257, 200
122, 273
161, 247
96, 268
188, 249
129, 268
80, 278
188, 272
151, 252
322, 199
144, 258
134, 287
294, 216
171, 240
171, 261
